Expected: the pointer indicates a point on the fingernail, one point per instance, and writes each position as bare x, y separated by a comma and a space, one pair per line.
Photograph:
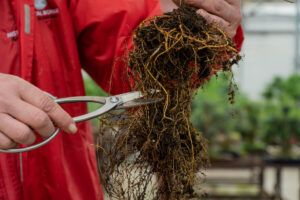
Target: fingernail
73, 128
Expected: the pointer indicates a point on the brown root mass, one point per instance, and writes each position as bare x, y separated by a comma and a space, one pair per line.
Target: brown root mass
156, 153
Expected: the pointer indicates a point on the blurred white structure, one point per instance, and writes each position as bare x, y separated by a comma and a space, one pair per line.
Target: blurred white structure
271, 48
270, 43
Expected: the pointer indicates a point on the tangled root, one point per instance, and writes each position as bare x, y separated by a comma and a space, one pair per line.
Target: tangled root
156, 153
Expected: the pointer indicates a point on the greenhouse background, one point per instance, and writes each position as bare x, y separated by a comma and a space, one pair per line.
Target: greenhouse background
254, 143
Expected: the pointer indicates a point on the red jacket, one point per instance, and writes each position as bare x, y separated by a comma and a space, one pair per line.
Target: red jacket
47, 44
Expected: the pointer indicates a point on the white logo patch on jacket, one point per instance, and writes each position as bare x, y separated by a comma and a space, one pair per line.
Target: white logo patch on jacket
40, 4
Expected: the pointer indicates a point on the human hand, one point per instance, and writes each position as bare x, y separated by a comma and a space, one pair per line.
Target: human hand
226, 13
25, 109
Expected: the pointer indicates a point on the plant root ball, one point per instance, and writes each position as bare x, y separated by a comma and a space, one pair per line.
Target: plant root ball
174, 54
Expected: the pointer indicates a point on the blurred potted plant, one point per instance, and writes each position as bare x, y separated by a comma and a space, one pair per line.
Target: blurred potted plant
248, 124
213, 115
282, 116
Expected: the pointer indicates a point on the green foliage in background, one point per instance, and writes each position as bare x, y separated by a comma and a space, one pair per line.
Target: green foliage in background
247, 126
282, 114
229, 128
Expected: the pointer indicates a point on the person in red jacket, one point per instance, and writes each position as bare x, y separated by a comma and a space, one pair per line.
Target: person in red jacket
44, 44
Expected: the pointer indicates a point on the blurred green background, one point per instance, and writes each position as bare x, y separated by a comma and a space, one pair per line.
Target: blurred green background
268, 126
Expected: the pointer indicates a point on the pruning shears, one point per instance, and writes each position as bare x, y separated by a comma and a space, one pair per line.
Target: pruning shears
117, 102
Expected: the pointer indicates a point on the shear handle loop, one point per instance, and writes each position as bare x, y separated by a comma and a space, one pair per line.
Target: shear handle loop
33, 147
108, 105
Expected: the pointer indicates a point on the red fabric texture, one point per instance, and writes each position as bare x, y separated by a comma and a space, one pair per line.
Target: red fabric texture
239, 38
49, 47
107, 28
45, 53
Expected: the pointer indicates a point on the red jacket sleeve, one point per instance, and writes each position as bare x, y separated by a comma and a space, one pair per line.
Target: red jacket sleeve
239, 38
104, 29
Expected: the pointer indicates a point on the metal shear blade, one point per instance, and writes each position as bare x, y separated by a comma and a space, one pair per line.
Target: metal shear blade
122, 101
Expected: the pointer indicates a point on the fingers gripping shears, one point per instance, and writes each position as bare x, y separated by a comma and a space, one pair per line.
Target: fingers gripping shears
117, 102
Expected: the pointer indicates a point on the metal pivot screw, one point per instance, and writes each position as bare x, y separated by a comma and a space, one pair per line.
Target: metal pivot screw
114, 99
